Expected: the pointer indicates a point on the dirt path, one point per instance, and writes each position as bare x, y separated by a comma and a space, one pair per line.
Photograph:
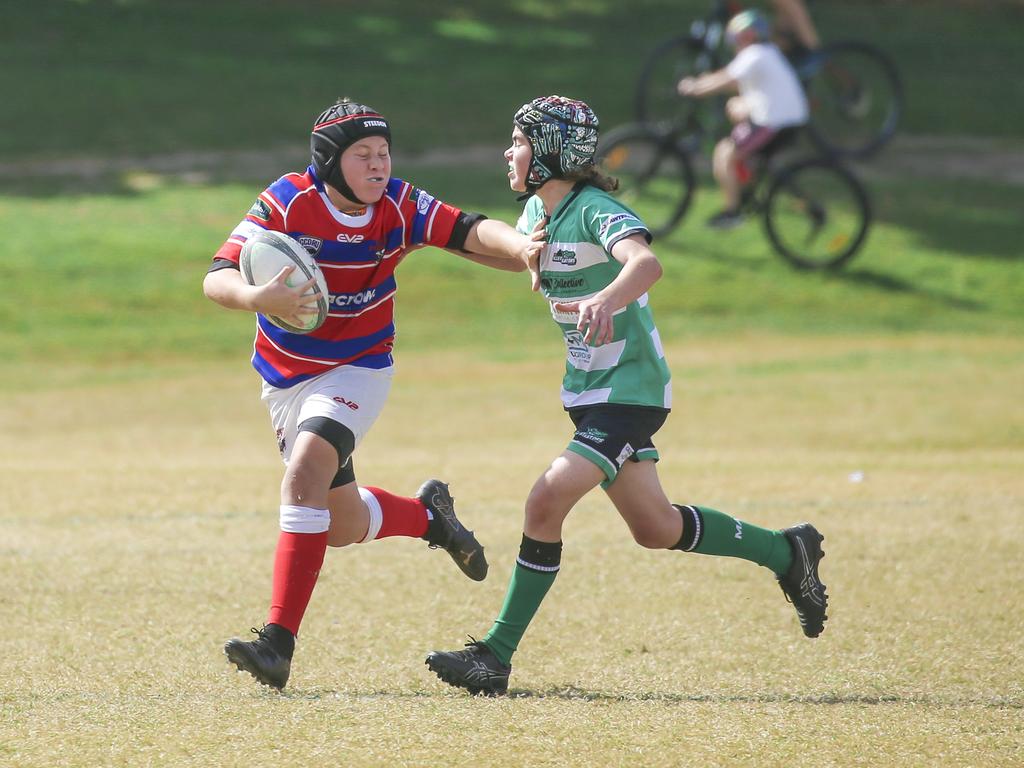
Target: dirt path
914, 156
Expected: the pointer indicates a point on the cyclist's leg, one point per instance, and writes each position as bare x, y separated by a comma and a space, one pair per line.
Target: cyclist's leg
754, 145
723, 165
734, 170
736, 110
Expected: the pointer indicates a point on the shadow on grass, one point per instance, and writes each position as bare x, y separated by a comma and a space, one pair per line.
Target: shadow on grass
965, 217
872, 279
757, 260
574, 693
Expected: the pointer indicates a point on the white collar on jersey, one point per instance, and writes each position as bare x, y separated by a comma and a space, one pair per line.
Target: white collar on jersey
343, 218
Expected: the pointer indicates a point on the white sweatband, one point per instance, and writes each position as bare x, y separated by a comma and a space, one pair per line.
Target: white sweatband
304, 519
376, 515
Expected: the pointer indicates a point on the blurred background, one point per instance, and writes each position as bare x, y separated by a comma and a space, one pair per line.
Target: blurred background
136, 132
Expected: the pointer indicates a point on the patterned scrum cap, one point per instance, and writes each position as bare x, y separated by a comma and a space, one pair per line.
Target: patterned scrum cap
563, 135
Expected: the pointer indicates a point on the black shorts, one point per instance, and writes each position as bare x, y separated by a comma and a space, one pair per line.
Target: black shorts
608, 435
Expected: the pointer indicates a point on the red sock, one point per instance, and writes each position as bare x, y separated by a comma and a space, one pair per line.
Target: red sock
296, 567
400, 515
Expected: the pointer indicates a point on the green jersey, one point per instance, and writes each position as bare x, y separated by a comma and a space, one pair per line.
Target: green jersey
575, 264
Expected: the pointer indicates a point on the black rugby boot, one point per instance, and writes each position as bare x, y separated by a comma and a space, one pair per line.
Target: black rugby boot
268, 658
800, 583
476, 669
446, 532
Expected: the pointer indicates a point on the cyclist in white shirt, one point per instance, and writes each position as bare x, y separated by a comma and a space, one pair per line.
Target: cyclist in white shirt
770, 106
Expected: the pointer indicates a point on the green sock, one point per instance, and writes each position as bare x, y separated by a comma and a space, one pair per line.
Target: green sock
711, 532
533, 576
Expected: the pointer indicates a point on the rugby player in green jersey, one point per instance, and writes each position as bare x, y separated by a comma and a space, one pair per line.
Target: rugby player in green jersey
595, 270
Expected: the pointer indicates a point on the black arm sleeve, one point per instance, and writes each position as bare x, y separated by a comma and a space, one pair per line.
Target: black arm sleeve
460, 231
219, 264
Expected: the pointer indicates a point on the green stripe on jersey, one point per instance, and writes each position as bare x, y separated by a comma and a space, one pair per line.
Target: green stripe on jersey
576, 264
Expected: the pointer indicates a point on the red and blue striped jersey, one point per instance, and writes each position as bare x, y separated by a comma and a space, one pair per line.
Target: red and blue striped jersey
358, 256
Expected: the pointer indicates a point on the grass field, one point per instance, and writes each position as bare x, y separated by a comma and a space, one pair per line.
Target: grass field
138, 485
139, 523
149, 76
139, 476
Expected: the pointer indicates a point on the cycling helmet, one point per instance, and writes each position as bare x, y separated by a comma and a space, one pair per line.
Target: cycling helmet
741, 22
339, 127
562, 134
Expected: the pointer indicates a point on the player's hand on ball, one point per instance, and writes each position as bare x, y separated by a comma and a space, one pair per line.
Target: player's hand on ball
289, 302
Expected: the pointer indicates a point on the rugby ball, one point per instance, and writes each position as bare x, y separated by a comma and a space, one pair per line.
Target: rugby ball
267, 253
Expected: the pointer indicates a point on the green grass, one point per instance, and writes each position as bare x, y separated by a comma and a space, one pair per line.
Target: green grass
137, 77
119, 281
138, 519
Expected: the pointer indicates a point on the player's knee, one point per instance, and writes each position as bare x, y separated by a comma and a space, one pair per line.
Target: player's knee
543, 508
318, 465
334, 433
302, 479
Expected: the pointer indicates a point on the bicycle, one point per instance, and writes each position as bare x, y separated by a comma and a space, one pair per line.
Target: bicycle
853, 89
815, 212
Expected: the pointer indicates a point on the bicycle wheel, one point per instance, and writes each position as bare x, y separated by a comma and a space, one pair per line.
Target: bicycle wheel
816, 214
855, 98
655, 175
656, 100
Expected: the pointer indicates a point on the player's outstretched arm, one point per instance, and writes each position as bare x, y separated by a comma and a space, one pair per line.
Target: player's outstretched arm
502, 246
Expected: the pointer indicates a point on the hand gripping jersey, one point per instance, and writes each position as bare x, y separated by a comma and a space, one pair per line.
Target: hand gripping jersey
358, 256
575, 264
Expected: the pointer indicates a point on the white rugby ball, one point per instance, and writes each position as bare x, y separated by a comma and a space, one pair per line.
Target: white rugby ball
267, 253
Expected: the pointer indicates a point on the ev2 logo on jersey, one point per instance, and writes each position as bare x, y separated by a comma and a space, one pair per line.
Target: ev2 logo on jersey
344, 237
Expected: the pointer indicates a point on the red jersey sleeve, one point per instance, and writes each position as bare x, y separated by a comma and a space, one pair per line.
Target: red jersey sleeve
265, 213
432, 220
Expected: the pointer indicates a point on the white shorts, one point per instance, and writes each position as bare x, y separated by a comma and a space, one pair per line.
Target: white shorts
348, 394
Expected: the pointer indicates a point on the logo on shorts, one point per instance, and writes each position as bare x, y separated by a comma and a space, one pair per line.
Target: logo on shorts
347, 403
594, 435
281, 443
627, 451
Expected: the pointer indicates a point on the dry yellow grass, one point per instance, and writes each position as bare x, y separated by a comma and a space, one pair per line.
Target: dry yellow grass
137, 524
